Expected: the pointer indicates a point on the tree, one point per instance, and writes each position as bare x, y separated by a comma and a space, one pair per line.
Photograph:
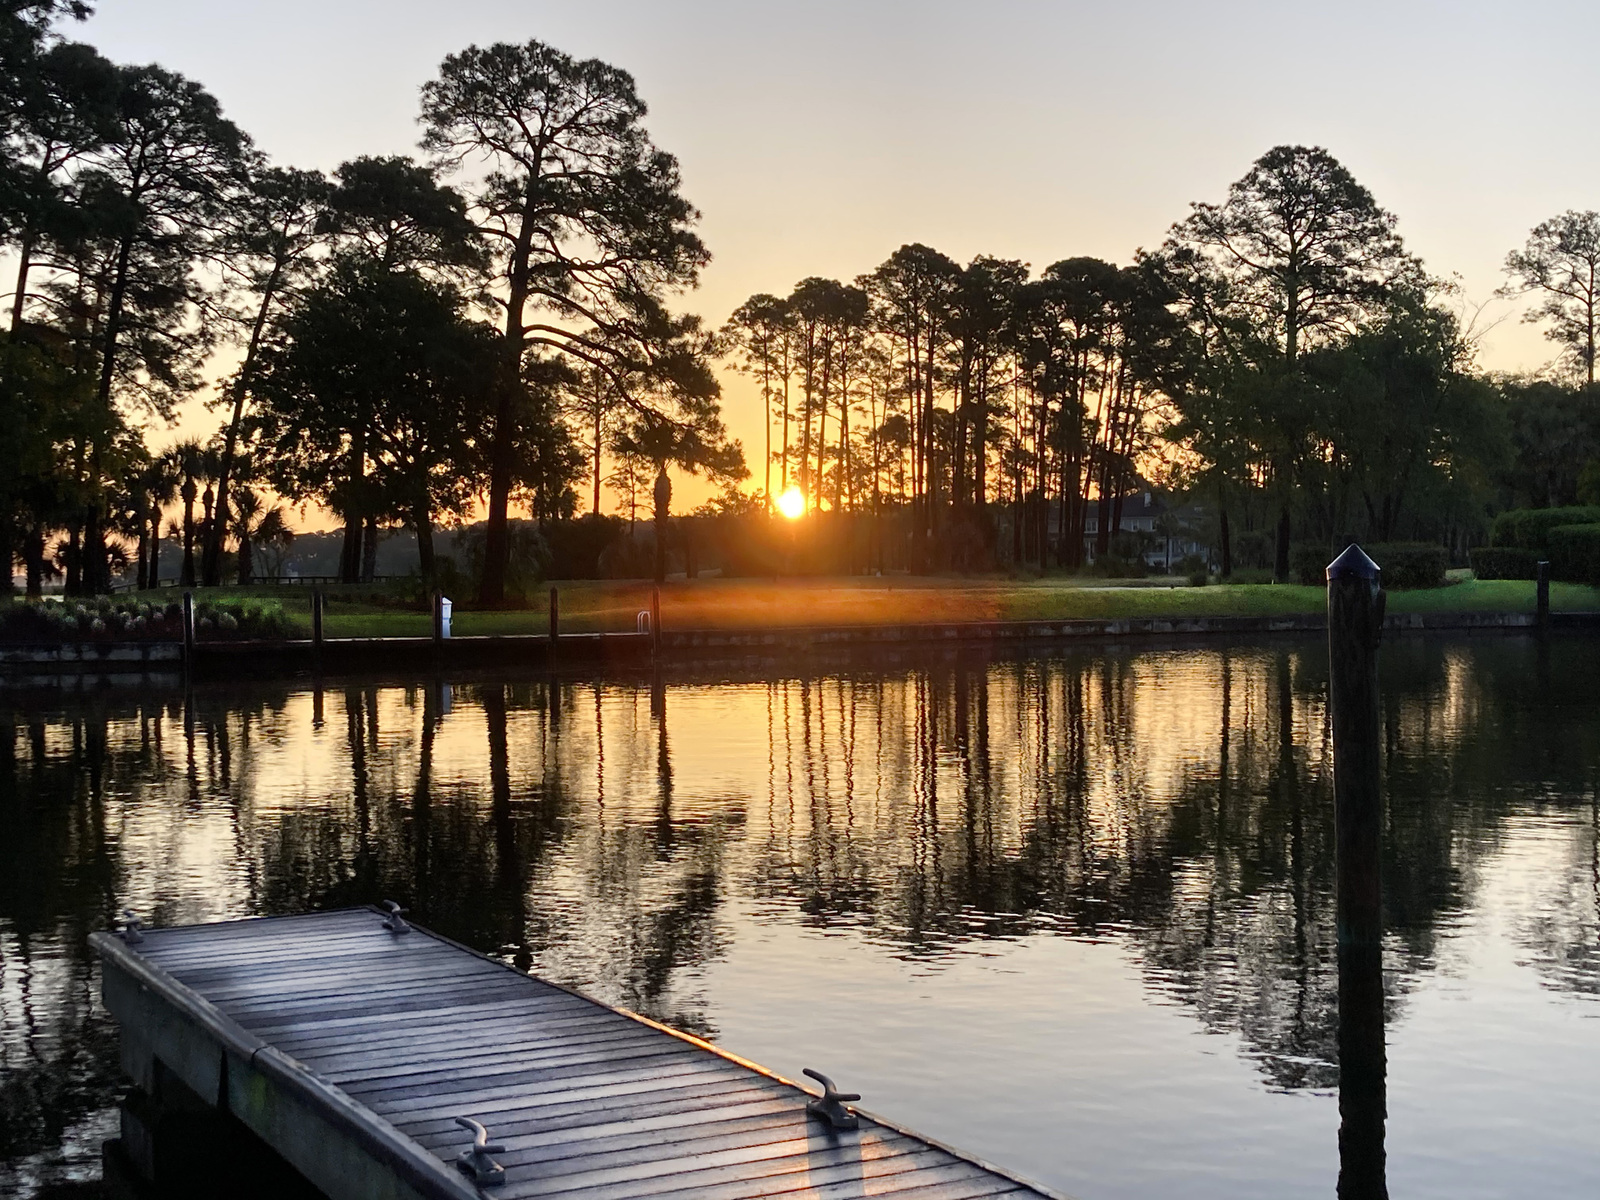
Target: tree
390, 215
376, 399
982, 325
394, 211
912, 293
1562, 262
1299, 254
1396, 413
128, 292
257, 525
584, 213
191, 458
263, 248
758, 332
65, 111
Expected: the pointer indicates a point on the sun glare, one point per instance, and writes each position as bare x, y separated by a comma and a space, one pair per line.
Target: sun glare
792, 503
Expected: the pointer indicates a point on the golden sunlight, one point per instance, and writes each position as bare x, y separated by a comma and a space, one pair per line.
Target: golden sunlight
792, 503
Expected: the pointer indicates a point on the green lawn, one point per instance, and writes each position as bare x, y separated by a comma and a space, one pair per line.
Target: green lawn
590, 606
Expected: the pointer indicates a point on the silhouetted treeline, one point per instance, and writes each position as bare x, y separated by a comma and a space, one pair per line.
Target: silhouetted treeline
417, 342
1279, 360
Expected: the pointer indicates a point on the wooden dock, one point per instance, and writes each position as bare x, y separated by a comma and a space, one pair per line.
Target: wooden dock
352, 1049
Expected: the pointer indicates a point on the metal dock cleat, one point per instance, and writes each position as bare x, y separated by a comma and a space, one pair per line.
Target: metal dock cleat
132, 928
395, 922
830, 1105
476, 1161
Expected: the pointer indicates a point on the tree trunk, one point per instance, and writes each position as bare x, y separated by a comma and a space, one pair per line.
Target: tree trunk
350, 550
33, 556
599, 415
502, 450
1226, 539
369, 550
8, 550
186, 576
92, 573
143, 574
212, 561
822, 427
422, 522
1280, 562
73, 584
246, 567
155, 545
24, 263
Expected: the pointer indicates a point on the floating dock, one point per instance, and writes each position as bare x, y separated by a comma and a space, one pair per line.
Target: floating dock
381, 1060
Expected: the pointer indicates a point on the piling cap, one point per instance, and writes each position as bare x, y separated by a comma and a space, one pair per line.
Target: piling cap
1353, 564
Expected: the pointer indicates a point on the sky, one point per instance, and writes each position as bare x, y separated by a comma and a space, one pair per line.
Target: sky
815, 138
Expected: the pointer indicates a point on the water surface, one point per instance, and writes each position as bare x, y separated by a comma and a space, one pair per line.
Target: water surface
1073, 913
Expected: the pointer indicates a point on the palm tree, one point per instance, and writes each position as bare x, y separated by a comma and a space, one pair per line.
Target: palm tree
255, 524
158, 485
189, 455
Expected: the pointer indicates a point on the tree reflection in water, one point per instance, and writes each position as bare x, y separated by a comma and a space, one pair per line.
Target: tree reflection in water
621, 834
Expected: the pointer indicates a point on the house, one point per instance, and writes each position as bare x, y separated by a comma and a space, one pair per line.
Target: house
1167, 532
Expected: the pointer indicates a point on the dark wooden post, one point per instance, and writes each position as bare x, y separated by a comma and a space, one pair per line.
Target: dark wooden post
1355, 621
555, 617
188, 628
438, 618
316, 621
1542, 592
655, 620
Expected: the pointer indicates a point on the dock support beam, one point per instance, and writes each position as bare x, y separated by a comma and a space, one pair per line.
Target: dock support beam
1355, 621
1542, 595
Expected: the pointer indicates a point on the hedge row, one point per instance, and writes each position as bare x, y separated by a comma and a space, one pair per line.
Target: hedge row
1505, 562
103, 619
1575, 553
1530, 528
1404, 564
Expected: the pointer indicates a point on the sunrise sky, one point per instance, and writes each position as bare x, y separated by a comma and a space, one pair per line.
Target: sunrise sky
816, 138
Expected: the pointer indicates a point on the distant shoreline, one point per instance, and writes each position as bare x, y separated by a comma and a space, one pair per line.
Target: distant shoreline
590, 651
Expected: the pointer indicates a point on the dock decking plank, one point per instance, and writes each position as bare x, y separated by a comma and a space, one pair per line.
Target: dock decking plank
396, 1035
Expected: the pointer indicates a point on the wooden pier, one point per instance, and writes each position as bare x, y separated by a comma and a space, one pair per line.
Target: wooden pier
357, 1046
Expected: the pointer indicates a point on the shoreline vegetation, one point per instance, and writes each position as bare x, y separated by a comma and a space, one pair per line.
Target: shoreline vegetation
607, 606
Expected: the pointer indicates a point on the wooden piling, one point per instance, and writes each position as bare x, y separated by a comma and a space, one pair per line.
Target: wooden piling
1542, 592
1355, 621
438, 619
316, 622
655, 620
555, 619
188, 630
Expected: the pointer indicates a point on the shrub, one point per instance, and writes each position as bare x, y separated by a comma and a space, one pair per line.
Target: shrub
1405, 565
105, 619
1529, 528
1253, 548
629, 557
1504, 562
1575, 553
527, 557
576, 546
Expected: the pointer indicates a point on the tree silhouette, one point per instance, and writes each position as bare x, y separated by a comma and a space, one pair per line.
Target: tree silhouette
587, 226
1562, 263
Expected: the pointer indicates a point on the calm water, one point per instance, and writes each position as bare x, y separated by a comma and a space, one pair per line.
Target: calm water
1074, 914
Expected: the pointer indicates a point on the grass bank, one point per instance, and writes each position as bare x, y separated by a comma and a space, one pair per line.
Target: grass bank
590, 606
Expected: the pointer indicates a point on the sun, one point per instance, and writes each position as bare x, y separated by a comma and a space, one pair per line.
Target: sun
792, 503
